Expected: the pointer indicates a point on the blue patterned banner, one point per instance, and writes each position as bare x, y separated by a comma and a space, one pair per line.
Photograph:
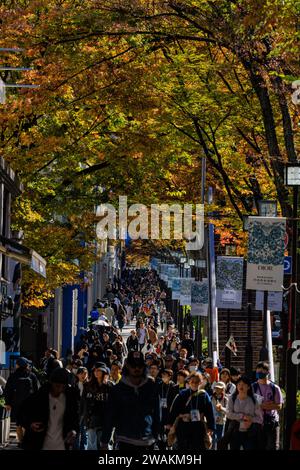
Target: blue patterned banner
266, 253
176, 284
229, 282
186, 291
154, 263
164, 271
199, 298
172, 272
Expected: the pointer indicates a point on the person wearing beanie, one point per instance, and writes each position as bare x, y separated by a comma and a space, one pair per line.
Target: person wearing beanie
51, 415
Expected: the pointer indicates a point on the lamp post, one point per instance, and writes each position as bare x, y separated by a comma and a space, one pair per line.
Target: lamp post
266, 208
182, 274
249, 348
292, 178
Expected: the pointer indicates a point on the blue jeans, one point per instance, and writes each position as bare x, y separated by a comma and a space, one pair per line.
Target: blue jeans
94, 439
218, 434
81, 439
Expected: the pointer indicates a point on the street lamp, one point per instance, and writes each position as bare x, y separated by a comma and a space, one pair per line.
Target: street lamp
266, 208
292, 178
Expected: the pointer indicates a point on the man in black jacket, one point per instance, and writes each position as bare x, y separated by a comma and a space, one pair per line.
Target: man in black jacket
133, 408
51, 416
20, 385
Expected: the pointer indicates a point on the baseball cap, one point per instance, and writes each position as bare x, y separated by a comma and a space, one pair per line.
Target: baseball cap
149, 356
135, 358
60, 376
220, 385
117, 363
102, 366
22, 362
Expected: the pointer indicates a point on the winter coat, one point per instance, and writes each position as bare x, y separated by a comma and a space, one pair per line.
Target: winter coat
36, 409
133, 411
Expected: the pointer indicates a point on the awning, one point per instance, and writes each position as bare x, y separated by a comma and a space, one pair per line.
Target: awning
24, 255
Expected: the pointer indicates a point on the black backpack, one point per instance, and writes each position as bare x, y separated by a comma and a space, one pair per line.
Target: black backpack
24, 388
255, 388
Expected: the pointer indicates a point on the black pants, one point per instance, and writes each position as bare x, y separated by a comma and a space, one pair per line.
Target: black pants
270, 437
191, 436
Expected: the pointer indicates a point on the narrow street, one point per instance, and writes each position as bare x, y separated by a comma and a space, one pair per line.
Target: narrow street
149, 168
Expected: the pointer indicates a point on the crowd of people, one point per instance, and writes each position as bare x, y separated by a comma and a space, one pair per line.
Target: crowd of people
148, 392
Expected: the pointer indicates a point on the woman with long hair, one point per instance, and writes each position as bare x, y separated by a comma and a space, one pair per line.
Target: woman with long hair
246, 415
94, 401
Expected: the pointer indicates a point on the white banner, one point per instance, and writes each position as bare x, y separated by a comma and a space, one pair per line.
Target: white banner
266, 253
274, 301
199, 298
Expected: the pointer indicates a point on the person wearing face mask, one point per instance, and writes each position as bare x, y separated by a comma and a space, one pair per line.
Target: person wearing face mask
271, 404
167, 393
192, 416
194, 365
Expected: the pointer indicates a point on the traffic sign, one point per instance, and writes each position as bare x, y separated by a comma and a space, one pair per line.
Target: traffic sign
287, 265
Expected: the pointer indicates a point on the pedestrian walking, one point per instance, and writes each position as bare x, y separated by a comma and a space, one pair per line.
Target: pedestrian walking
20, 385
246, 415
219, 401
50, 417
133, 408
271, 404
192, 417
142, 335
94, 402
